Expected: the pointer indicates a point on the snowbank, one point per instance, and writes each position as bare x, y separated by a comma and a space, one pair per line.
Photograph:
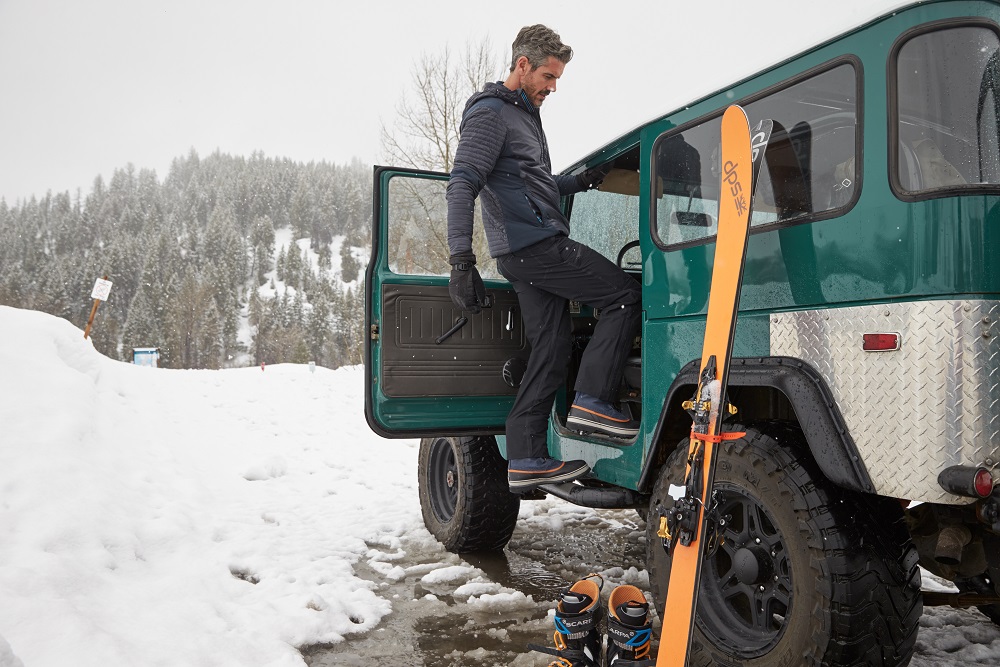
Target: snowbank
158, 517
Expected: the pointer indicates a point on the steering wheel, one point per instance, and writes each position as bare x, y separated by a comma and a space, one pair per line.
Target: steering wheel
621, 253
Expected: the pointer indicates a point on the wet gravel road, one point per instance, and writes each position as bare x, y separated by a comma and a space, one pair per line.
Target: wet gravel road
554, 545
436, 623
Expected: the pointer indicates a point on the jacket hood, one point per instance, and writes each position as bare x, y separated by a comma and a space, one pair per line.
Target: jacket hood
493, 89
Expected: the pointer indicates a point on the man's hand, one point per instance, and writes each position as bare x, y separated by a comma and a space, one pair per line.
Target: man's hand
466, 286
594, 176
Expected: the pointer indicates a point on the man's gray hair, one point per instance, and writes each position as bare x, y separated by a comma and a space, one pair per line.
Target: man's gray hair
537, 43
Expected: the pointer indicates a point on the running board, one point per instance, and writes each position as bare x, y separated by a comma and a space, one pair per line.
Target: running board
598, 497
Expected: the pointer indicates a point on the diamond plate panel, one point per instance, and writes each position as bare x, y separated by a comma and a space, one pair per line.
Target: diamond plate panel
912, 412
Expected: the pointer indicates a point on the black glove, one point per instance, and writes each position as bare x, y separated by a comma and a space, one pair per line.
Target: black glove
594, 176
466, 286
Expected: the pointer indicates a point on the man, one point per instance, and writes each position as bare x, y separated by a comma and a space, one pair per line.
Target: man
503, 158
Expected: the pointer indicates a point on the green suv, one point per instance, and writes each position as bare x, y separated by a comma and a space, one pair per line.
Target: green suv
867, 353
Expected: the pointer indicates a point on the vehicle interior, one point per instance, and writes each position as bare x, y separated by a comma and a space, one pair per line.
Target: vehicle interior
809, 171
607, 220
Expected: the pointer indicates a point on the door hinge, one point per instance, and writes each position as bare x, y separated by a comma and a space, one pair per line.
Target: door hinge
374, 332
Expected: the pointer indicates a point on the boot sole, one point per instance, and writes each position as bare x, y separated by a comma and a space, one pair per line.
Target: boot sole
590, 426
536, 481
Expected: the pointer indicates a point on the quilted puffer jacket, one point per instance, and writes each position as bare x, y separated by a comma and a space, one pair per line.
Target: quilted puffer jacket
503, 158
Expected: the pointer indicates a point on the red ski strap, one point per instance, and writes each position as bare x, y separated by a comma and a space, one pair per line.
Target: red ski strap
718, 437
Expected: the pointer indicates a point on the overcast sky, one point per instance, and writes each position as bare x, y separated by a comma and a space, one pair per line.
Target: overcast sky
88, 86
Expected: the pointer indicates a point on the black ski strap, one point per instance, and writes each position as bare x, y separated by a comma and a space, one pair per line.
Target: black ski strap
569, 653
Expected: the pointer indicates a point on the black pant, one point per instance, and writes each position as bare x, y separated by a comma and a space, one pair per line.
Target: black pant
545, 276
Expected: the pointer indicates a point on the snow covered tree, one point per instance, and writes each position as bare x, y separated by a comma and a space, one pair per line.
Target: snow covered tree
317, 325
262, 326
193, 329
262, 245
293, 266
348, 265
141, 326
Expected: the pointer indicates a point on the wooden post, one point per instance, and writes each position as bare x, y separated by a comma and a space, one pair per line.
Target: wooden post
90, 320
93, 311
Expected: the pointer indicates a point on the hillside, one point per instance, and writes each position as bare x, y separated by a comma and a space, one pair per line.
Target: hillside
225, 262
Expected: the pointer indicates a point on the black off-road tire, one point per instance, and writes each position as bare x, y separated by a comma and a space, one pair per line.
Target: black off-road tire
806, 574
464, 497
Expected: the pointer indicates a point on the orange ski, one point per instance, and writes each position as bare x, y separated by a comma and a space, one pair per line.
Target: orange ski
683, 531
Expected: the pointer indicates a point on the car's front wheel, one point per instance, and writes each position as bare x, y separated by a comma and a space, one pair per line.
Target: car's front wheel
804, 572
464, 497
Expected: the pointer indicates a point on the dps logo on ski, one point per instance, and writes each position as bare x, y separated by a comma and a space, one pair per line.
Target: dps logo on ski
735, 187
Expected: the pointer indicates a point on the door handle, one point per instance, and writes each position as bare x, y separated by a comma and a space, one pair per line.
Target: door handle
461, 322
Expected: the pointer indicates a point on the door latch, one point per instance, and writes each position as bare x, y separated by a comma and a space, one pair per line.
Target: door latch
462, 321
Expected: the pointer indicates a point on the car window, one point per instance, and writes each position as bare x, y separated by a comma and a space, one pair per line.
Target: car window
608, 219
810, 166
947, 109
418, 229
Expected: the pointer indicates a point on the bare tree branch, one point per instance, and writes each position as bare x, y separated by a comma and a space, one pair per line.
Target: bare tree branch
424, 133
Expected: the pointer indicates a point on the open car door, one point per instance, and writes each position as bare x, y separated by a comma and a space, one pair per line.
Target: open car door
427, 372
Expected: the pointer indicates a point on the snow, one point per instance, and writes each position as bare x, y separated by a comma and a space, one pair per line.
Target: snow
173, 517
179, 517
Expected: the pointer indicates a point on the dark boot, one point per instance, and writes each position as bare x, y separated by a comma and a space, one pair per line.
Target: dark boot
577, 639
629, 629
592, 415
525, 474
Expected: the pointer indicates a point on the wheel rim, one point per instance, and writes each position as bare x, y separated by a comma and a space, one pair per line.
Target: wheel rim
442, 477
746, 586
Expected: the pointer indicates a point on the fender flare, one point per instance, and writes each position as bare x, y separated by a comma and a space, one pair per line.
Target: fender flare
823, 426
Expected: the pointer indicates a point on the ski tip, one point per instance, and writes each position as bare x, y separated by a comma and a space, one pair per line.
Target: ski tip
735, 113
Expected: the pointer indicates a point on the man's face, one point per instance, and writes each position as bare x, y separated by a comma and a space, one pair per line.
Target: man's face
538, 83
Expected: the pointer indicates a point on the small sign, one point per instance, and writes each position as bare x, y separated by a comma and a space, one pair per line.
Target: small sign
101, 290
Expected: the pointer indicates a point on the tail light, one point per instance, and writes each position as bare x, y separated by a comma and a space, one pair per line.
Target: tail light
968, 481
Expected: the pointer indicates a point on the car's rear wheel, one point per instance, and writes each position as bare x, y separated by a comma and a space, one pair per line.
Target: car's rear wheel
464, 497
805, 573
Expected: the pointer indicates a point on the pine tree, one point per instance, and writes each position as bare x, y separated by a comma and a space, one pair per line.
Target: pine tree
141, 326
303, 212
300, 353
296, 310
262, 243
262, 325
193, 334
293, 267
349, 326
318, 325
279, 265
348, 265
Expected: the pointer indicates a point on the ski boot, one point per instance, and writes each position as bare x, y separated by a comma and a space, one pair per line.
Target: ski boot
629, 629
577, 640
